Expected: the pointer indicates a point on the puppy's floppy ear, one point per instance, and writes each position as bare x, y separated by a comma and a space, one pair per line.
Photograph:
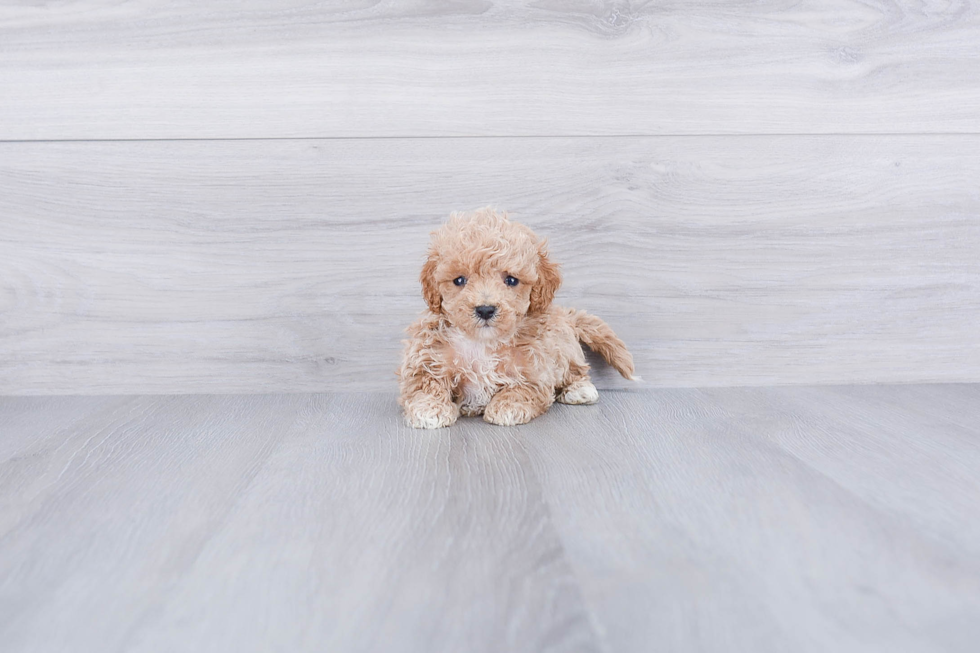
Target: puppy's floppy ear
549, 278
430, 289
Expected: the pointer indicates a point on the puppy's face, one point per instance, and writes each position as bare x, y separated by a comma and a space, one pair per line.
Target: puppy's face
485, 274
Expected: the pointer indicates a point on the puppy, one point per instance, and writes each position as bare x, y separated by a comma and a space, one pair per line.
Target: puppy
491, 342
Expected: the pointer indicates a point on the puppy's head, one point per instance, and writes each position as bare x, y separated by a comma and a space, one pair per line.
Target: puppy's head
486, 273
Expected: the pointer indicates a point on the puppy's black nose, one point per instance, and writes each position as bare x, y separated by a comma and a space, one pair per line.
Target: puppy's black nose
485, 312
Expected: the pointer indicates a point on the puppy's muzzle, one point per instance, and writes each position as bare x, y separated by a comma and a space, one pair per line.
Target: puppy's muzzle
485, 312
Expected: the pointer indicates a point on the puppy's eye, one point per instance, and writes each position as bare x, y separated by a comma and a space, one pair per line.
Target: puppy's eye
460, 281
511, 281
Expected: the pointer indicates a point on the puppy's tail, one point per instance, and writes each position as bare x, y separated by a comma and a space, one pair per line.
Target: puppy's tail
600, 338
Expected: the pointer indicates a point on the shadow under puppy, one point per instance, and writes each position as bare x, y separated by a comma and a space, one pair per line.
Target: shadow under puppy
491, 342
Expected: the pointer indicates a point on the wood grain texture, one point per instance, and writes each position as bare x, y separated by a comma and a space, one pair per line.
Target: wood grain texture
293, 523
181, 267
259, 69
738, 519
803, 519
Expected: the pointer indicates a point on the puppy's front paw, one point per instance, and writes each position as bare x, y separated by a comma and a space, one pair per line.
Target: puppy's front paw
430, 413
508, 412
579, 392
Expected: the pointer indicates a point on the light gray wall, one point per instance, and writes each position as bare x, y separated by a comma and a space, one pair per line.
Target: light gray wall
236, 197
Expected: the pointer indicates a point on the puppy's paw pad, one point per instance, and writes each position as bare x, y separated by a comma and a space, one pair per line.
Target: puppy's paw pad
580, 392
507, 414
430, 416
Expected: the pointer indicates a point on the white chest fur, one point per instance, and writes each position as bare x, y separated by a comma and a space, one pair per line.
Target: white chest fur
478, 377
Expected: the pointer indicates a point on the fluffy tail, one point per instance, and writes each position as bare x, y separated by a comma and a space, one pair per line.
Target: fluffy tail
601, 339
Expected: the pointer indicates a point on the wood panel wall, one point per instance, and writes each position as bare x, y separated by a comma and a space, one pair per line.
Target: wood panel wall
236, 196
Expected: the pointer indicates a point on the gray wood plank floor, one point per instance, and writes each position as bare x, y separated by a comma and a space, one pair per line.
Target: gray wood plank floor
264, 68
741, 519
283, 266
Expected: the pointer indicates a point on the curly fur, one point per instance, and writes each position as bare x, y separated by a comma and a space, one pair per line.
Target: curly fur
511, 368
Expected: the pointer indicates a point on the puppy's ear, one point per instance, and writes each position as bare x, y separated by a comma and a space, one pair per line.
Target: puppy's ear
430, 289
549, 278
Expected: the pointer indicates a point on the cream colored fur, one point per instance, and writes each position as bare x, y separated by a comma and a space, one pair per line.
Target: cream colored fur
512, 367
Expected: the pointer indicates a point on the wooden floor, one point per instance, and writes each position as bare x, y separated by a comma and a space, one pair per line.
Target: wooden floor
753, 519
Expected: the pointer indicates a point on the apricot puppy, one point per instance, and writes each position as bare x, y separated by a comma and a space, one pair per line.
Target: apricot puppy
491, 342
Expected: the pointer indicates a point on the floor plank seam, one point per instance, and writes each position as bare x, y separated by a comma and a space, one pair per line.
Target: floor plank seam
408, 137
598, 630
